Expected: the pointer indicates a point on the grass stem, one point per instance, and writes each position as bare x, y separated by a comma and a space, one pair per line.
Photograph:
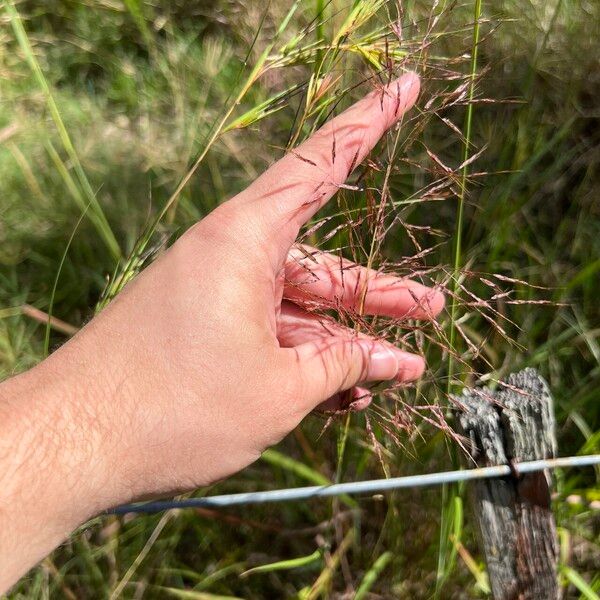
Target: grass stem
450, 495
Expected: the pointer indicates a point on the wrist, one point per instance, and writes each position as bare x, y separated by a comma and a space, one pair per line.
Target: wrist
76, 431
55, 469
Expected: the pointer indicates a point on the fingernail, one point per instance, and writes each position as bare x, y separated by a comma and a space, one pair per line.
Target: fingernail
410, 366
410, 80
362, 399
435, 302
383, 363
407, 90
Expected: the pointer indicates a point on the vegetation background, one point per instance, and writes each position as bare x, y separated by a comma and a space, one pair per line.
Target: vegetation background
106, 105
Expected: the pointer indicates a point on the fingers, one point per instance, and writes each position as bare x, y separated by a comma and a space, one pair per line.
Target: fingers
329, 366
329, 358
312, 275
295, 327
296, 186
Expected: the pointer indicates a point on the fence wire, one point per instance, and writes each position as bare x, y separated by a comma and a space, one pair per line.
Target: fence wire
360, 487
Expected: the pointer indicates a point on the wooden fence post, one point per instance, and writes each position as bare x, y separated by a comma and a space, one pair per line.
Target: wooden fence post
510, 424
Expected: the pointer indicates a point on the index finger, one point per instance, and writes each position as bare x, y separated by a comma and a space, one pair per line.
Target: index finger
296, 186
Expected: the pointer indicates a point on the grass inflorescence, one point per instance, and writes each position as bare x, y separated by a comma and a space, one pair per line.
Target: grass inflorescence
122, 123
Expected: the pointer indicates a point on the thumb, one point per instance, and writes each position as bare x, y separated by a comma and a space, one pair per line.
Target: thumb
330, 365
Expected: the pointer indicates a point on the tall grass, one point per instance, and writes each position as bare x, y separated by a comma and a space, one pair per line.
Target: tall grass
166, 109
97, 213
451, 522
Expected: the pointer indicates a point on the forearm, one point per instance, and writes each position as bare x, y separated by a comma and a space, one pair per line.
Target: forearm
53, 469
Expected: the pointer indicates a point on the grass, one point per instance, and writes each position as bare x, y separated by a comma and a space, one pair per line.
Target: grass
123, 123
451, 517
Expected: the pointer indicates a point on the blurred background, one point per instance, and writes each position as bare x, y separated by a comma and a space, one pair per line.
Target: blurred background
122, 122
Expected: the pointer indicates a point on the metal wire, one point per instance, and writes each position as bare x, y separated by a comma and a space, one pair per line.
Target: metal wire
360, 487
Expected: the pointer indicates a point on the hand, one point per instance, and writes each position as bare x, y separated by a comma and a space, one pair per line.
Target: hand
198, 365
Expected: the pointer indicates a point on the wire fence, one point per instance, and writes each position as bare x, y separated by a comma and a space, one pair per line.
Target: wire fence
360, 487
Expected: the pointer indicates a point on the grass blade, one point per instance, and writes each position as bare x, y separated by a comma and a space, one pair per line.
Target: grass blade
580, 583
283, 565
96, 213
372, 575
447, 551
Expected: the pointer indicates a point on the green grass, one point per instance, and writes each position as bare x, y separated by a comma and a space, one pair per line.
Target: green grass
122, 123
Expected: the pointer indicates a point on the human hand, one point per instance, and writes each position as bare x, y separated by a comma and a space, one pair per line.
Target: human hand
198, 365
208, 357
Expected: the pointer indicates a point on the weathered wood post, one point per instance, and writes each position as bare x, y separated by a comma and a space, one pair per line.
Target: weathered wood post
510, 424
